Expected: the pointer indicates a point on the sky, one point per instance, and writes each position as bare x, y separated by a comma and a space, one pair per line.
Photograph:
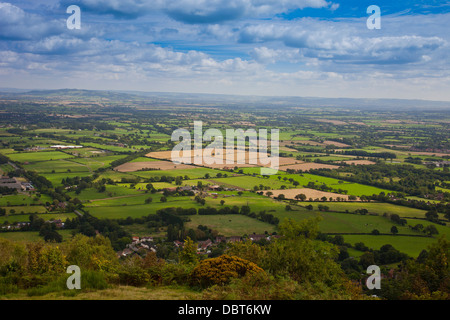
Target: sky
310, 48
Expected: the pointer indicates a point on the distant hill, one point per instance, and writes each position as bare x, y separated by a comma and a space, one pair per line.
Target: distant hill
153, 99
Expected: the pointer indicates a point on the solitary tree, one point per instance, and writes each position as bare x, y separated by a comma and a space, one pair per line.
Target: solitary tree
394, 230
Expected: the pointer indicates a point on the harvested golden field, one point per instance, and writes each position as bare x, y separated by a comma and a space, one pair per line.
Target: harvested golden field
309, 193
306, 166
157, 165
209, 159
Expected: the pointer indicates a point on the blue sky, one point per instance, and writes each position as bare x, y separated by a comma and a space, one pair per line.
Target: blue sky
258, 47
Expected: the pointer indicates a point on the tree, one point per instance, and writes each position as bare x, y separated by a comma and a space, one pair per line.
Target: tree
394, 230
222, 202
375, 232
301, 197
188, 254
430, 230
163, 199
148, 200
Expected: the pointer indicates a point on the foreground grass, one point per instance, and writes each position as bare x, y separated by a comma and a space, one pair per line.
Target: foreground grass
116, 293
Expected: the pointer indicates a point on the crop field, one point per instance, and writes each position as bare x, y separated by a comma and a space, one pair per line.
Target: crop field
309, 193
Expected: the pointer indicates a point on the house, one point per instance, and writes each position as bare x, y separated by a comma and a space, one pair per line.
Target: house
178, 243
234, 239
125, 252
26, 186
221, 239
135, 239
214, 187
257, 237
203, 245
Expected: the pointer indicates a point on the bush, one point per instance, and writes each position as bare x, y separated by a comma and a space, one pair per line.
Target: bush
221, 270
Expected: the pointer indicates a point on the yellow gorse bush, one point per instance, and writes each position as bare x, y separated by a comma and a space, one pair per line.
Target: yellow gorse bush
221, 270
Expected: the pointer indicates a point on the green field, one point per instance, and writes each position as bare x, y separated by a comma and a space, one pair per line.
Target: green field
409, 245
231, 224
46, 216
111, 191
191, 173
58, 166
16, 200
56, 178
248, 182
376, 207
38, 156
31, 236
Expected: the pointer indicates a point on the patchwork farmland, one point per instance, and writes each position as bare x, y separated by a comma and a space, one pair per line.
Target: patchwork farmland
120, 181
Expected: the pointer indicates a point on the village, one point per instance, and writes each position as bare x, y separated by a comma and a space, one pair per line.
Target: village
141, 245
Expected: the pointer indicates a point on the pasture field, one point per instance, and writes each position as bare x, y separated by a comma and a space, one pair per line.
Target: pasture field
46, 216
108, 147
97, 162
193, 173
344, 222
56, 166
136, 211
24, 209
143, 159
15, 200
376, 207
156, 165
110, 192
248, 182
56, 178
231, 224
351, 188
38, 156
31, 236
412, 246
307, 166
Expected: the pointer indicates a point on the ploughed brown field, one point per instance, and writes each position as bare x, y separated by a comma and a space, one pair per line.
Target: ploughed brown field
309, 193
